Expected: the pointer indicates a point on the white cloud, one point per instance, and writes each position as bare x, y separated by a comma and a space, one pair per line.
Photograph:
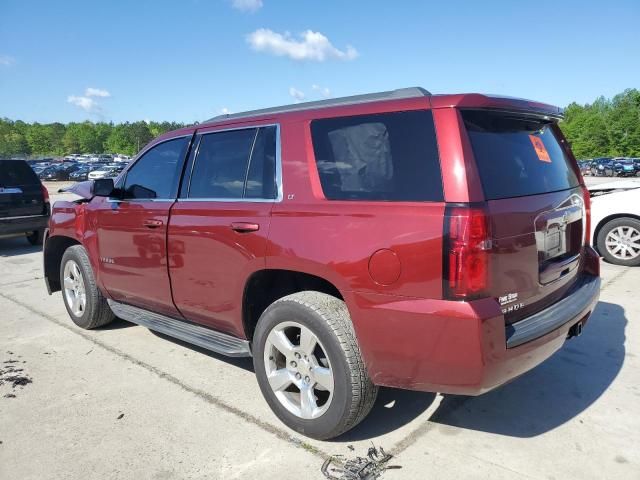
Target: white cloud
324, 91
247, 5
225, 111
296, 94
96, 92
6, 60
86, 103
311, 46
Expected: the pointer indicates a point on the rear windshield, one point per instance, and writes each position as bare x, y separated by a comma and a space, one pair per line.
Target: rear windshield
16, 172
517, 156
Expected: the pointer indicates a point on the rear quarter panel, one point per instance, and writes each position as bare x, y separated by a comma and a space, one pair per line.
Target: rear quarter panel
336, 240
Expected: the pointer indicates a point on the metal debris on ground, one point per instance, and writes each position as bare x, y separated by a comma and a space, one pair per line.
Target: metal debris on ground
371, 467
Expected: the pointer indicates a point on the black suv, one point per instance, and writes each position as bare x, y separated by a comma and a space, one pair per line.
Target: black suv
24, 201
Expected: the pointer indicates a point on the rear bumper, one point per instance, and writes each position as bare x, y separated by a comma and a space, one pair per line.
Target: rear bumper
15, 225
463, 348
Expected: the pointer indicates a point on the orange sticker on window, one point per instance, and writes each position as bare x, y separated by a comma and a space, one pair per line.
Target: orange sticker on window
540, 149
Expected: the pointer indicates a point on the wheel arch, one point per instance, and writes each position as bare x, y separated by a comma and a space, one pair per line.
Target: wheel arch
53, 250
606, 220
266, 286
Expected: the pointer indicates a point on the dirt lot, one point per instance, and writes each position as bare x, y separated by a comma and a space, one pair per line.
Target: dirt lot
123, 402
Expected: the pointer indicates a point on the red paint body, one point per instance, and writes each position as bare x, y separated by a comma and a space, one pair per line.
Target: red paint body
385, 258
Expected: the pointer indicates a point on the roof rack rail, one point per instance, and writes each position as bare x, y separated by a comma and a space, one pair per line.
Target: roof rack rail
401, 93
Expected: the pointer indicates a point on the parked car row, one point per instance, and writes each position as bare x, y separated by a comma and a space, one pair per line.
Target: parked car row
102, 157
77, 171
611, 167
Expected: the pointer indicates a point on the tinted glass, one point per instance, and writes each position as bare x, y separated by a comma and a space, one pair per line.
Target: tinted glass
261, 179
390, 156
221, 165
156, 173
517, 156
16, 172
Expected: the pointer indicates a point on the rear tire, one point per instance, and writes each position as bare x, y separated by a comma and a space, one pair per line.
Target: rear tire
619, 241
84, 301
280, 351
35, 237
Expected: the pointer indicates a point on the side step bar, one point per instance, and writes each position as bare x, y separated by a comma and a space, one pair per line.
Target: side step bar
201, 336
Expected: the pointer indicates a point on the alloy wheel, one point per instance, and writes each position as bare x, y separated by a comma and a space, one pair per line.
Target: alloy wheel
623, 242
298, 370
74, 288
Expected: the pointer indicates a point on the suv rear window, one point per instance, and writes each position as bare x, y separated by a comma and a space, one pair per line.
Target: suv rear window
389, 157
517, 156
16, 172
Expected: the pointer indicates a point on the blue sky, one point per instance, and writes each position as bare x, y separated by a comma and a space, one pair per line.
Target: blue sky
188, 60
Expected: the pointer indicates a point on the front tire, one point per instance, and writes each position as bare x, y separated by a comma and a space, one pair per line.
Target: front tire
85, 303
619, 241
309, 367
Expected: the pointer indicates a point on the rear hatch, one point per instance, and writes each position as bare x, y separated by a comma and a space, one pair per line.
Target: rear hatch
20, 190
536, 208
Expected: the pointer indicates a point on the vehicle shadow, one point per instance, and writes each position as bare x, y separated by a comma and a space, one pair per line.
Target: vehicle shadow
539, 401
393, 409
14, 246
246, 363
554, 392
117, 324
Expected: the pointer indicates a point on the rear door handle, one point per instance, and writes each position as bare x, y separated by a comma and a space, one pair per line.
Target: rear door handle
245, 227
152, 223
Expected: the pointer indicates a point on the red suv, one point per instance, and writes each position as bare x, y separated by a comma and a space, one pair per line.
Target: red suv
426, 242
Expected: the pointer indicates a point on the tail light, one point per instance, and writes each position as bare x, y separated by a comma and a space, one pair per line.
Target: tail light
467, 245
586, 199
45, 193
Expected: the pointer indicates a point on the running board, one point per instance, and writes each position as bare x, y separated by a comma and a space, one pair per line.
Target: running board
201, 336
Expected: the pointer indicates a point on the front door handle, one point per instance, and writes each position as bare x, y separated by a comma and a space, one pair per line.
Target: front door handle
245, 227
152, 223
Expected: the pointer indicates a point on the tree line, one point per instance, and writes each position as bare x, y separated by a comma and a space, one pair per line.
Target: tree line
604, 128
18, 138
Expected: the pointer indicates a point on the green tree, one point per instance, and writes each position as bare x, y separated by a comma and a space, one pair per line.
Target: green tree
71, 139
12, 144
39, 139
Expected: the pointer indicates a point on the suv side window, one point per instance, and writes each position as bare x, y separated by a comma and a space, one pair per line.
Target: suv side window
261, 176
235, 164
156, 173
387, 157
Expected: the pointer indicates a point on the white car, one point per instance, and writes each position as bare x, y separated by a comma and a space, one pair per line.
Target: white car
615, 221
102, 173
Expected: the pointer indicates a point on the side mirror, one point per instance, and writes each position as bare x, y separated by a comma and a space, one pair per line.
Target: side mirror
102, 187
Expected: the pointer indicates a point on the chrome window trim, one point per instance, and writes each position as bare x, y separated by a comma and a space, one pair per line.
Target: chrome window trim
228, 200
137, 200
278, 173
